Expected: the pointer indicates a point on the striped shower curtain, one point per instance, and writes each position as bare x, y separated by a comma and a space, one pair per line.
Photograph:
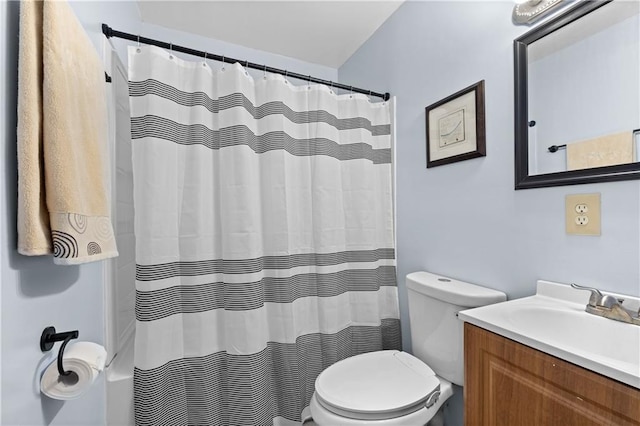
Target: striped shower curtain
264, 232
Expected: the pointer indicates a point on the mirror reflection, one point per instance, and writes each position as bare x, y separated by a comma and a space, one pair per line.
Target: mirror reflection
584, 92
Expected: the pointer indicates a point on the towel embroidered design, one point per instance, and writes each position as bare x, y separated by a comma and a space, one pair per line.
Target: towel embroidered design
93, 248
64, 245
78, 236
78, 222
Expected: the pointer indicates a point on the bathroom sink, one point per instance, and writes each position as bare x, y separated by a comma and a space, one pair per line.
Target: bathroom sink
576, 329
554, 321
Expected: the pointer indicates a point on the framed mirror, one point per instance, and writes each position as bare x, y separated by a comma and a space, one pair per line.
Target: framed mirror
577, 97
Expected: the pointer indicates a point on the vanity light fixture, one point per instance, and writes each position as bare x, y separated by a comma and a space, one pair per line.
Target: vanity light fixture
528, 11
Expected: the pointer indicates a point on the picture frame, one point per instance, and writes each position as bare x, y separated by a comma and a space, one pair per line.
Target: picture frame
456, 127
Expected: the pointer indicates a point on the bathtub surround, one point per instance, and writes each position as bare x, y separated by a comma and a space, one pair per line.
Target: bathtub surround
63, 157
264, 239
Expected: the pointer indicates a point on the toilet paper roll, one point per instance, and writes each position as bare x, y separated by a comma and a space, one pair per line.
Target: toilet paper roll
85, 360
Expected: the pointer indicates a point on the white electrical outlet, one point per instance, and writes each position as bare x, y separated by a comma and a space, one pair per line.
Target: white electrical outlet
582, 220
582, 213
582, 208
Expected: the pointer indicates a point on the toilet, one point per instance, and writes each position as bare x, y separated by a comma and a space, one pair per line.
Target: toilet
396, 388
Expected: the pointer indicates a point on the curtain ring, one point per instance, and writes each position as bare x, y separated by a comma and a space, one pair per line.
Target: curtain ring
204, 64
265, 72
222, 63
138, 40
309, 82
351, 92
246, 63
170, 50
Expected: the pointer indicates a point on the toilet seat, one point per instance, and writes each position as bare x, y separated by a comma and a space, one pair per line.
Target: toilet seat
377, 386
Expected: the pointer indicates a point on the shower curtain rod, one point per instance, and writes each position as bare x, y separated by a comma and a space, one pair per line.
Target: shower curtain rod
110, 32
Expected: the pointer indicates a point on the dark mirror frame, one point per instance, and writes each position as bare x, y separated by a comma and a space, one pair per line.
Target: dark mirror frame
572, 177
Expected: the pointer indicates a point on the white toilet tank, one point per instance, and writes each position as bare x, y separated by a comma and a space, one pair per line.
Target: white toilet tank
436, 331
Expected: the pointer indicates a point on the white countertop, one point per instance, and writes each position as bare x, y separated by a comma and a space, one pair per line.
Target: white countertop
554, 321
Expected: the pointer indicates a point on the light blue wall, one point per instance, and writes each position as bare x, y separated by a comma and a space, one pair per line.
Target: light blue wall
34, 293
465, 220
238, 52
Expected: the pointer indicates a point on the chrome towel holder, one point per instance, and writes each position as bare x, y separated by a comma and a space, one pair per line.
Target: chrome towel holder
49, 337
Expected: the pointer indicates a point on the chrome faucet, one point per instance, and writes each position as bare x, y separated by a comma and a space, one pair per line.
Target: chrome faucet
608, 306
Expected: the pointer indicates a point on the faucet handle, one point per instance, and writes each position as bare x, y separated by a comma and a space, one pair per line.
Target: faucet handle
596, 295
609, 301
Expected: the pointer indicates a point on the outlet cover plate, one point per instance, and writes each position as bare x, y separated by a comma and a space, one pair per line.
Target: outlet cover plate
576, 215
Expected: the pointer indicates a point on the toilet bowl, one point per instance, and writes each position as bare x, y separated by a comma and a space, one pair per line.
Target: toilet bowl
378, 388
392, 387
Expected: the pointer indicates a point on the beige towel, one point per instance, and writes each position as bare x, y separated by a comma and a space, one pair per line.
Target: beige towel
607, 150
63, 180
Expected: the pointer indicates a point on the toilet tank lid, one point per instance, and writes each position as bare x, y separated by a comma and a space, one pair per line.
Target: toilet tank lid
453, 291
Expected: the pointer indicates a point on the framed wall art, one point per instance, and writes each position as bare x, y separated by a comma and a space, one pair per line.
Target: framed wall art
455, 127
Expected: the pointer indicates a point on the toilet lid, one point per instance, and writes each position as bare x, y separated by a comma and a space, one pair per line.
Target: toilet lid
380, 385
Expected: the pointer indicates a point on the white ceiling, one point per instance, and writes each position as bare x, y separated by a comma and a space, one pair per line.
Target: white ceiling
321, 32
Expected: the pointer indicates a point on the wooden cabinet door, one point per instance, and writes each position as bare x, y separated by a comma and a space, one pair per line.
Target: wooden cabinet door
507, 383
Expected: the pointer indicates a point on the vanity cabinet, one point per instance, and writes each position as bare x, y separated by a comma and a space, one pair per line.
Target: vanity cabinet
507, 383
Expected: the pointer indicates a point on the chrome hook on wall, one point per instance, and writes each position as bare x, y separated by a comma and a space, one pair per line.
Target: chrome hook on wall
49, 337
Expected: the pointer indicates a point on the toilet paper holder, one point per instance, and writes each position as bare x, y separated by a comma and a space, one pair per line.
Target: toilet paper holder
49, 337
